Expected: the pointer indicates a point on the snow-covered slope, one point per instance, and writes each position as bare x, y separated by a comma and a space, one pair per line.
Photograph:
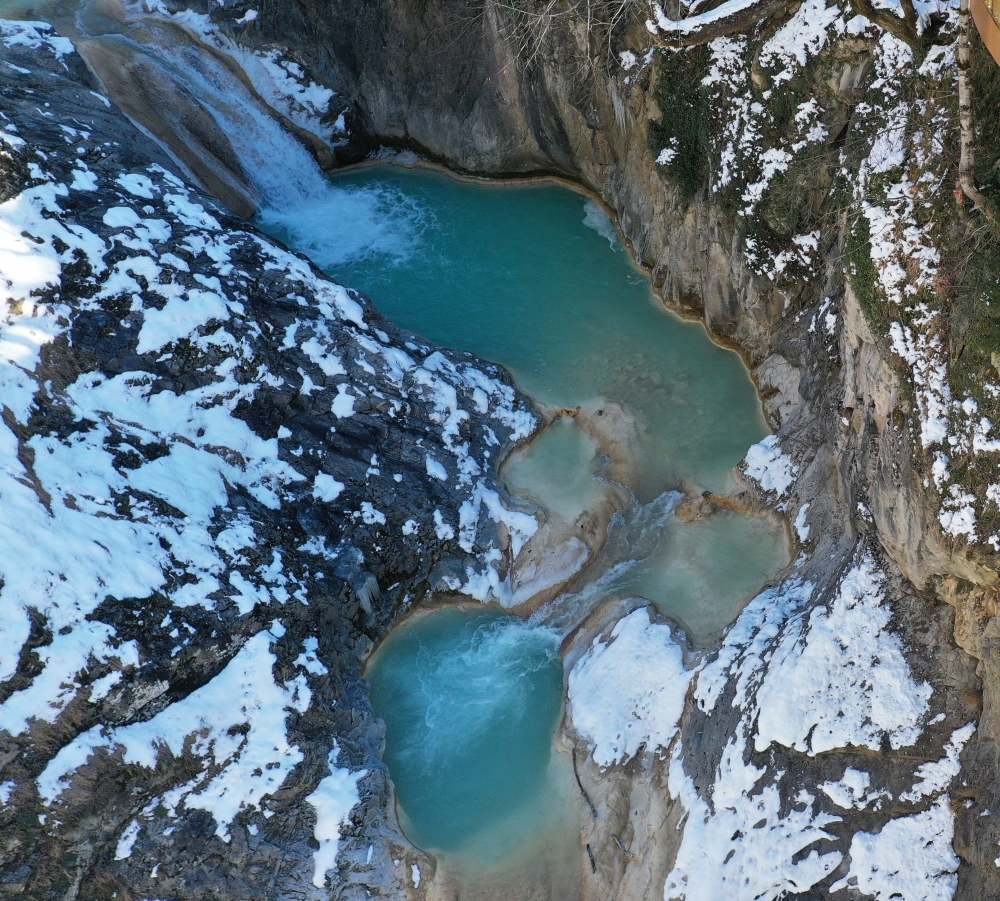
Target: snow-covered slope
214, 497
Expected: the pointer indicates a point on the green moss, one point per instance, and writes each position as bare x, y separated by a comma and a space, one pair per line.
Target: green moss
982, 339
861, 273
976, 307
684, 123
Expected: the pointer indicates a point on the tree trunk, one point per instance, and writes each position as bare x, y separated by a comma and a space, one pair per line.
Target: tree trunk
967, 159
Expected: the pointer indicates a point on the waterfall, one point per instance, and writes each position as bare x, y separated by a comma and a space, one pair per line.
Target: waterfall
192, 100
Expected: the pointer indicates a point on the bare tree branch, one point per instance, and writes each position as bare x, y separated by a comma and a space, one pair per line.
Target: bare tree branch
741, 15
730, 18
906, 29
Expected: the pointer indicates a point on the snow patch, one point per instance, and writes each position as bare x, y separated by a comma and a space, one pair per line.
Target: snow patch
770, 467
334, 799
628, 693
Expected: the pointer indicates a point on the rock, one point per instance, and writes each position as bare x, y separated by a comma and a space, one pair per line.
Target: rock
233, 549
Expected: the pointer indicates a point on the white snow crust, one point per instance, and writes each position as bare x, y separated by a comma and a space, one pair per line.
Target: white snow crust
770, 467
839, 678
911, 858
628, 693
334, 799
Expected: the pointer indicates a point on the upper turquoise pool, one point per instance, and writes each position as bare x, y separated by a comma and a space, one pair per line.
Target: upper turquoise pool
534, 277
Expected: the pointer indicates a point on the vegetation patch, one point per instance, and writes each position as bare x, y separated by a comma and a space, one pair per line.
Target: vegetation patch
862, 274
683, 127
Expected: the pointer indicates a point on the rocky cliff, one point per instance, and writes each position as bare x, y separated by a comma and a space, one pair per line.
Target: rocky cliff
792, 187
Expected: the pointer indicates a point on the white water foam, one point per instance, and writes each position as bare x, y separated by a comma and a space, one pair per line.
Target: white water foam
499, 655
333, 225
343, 225
296, 200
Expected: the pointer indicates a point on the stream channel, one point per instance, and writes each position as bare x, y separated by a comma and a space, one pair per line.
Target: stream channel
534, 277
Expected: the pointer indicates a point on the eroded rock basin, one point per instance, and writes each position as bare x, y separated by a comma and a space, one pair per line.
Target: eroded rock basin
640, 404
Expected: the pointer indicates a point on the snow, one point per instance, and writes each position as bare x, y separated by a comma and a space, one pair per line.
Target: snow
852, 791
179, 318
814, 677
326, 488
309, 660
801, 38
958, 515
770, 467
343, 403
801, 525
693, 23
443, 531
100, 687
137, 185
415, 875
127, 841
333, 800
926, 357
628, 692
63, 659
666, 156
741, 657
245, 765
936, 775
81, 529
743, 848
34, 36
839, 678
370, 515
436, 470
911, 858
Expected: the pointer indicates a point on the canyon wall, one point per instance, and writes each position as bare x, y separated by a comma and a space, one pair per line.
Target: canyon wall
488, 89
